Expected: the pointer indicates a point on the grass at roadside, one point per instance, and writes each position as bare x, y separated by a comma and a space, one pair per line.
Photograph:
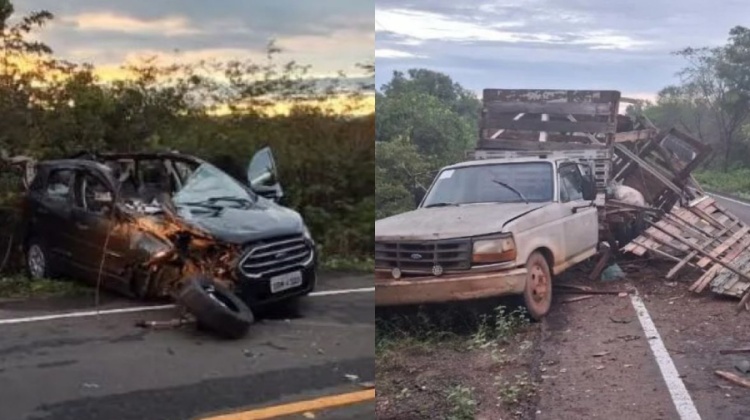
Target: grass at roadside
335, 263
21, 287
454, 364
735, 181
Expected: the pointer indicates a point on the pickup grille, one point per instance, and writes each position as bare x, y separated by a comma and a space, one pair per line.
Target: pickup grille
420, 257
275, 256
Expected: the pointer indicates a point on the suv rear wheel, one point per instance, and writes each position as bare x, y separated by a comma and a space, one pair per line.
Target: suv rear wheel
38, 264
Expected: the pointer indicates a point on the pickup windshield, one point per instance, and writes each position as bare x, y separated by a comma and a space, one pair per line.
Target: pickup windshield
483, 184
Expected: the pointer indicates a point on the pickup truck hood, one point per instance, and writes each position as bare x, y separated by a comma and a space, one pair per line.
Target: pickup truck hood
451, 222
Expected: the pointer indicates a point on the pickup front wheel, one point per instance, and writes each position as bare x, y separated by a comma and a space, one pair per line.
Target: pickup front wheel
537, 295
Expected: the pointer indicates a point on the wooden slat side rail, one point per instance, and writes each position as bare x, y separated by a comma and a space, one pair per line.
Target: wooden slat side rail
491, 122
575, 108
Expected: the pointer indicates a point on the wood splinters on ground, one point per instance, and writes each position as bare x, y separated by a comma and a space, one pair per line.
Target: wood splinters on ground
735, 351
731, 377
577, 298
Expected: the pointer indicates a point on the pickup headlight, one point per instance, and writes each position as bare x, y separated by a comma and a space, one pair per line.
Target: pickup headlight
494, 250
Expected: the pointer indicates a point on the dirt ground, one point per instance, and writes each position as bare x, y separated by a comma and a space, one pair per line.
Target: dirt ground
460, 374
589, 359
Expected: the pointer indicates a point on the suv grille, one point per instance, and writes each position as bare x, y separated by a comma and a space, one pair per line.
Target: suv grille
420, 257
275, 256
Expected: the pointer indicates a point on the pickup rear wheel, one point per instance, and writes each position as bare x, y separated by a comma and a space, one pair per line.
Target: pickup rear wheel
537, 295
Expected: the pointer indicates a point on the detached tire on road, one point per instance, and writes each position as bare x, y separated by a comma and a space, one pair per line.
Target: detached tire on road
537, 296
216, 307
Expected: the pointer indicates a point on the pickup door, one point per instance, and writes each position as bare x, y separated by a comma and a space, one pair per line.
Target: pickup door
580, 223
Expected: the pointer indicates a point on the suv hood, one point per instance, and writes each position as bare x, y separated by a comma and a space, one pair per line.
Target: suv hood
239, 225
451, 222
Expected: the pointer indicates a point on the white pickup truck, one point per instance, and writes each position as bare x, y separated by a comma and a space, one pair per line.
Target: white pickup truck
489, 228
521, 212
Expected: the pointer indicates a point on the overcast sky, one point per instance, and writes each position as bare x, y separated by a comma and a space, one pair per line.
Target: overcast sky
574, 44
330, 35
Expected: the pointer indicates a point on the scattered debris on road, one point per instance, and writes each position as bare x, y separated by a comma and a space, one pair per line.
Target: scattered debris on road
731, 377
735, 351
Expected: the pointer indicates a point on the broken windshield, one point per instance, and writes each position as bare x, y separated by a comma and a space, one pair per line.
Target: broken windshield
208, 185
533, 181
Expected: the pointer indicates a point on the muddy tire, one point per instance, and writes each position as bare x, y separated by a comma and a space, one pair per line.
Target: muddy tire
537, 296
215, 307
38, 262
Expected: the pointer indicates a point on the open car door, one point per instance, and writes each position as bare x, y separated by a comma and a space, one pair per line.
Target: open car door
262, 175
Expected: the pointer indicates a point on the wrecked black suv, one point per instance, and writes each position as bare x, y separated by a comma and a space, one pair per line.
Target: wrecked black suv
147, 224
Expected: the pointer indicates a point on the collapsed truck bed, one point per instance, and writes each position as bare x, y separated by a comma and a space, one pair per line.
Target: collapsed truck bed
676, 220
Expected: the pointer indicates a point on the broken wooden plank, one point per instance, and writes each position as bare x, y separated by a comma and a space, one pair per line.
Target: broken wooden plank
601, 264
635, 135
731, 377
694, 253
735, 351
714, 259
723, 247
709, 275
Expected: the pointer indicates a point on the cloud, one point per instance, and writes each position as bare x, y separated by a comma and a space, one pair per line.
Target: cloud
111, 22
330, 36
422, 26
389, 53
573, 44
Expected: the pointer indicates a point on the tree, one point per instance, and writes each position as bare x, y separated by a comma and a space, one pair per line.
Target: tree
424, 121
717, 82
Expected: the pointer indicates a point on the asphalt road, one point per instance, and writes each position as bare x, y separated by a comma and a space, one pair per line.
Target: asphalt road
735, 206
106, 368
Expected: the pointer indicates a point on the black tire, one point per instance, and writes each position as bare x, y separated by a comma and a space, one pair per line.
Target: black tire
215, 307
36, 253
537, 295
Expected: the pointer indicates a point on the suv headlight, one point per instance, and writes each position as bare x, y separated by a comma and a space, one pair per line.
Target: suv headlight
494, 250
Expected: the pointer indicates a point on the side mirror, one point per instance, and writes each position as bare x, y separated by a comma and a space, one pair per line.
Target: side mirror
589, 188
262, 175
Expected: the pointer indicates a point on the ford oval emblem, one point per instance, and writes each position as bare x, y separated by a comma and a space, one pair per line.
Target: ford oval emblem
416, 256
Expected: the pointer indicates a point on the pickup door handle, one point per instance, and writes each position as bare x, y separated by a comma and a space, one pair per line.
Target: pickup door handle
82, 226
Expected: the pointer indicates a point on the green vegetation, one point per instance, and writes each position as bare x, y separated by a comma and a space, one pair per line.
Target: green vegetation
425, 121
21, 287
734, 181
462, 403
512, 392
220, 111
458, 328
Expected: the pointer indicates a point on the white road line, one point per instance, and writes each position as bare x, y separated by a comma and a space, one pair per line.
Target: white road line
83, 314
680, 396
730, 199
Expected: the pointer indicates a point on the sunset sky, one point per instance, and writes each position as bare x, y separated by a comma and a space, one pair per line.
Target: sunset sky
331, 35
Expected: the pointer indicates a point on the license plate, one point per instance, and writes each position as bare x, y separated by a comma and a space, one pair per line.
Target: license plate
286, 281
